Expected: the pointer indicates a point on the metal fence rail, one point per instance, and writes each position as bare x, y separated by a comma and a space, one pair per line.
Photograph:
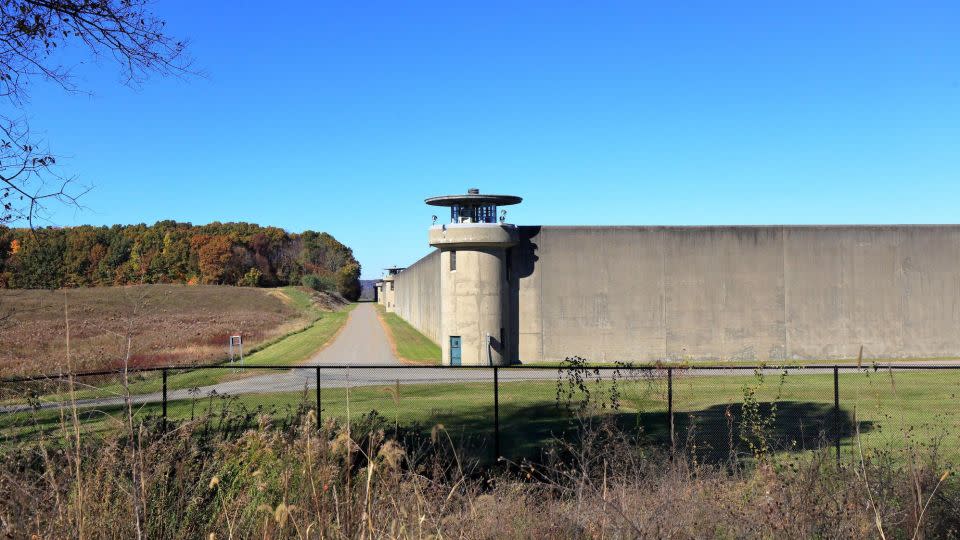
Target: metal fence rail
715, 411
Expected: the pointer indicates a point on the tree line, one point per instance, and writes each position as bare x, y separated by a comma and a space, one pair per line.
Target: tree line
242, 254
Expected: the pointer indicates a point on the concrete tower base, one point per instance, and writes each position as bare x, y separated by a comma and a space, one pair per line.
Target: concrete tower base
473, 305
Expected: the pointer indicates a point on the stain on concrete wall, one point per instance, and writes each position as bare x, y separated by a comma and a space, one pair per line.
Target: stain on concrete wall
418, 295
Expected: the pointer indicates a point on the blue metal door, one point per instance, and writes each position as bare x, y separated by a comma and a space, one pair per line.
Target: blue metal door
454, 350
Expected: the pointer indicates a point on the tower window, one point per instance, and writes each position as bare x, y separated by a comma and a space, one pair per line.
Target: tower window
453, 261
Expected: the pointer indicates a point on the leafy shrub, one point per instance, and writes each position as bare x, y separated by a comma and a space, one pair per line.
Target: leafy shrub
319, 282
251, 278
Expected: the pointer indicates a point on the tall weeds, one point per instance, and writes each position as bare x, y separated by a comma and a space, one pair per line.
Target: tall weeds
242, 474
310, 481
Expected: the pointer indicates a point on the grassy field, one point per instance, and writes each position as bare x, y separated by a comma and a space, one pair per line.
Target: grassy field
409, 343
713, 415
163, 324
292, 349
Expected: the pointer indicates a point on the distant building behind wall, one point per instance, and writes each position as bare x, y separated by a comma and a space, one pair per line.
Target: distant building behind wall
723, 293
389, 289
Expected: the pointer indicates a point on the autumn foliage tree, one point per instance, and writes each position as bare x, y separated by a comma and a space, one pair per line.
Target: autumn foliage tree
171, 252
214, 258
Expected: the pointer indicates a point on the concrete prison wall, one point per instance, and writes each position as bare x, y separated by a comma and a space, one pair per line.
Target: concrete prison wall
720, 293
737, 293
418, 295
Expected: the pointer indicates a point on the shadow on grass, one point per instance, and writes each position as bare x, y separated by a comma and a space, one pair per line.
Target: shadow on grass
714, 434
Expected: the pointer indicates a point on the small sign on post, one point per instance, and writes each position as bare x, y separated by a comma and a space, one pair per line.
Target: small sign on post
236, 349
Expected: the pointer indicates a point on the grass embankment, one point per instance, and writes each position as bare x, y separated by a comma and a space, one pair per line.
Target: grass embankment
714, 415
408, 343
165, 325
298, 347
290, 350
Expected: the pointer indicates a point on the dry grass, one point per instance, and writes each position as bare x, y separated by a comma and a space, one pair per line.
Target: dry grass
245, 475
298, 481
165, 324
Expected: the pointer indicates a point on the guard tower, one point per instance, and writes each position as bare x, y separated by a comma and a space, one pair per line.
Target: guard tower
473, 277
389, 288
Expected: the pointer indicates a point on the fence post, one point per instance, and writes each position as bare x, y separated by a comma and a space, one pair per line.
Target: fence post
163, 423
836, 411
670, 409
319, 402
496, 414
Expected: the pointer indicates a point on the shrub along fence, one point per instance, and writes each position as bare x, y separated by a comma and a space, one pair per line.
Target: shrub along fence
716, 413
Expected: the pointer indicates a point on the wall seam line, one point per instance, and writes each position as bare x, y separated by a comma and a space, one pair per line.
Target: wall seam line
786, 297
543, 326
663, 291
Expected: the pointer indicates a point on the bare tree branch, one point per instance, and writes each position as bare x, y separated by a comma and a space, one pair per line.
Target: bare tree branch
28, 180
31, 32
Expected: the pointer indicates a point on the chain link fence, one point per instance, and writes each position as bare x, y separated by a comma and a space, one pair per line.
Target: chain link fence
713, 413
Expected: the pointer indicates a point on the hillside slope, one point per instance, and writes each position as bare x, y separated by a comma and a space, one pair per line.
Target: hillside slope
166, 324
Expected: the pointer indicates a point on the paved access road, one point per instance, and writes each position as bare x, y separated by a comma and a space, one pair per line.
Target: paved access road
362, 341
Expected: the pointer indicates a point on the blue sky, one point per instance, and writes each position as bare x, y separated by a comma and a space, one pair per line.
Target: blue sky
343, 117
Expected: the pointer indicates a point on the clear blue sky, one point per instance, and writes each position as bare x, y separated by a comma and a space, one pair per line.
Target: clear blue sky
344, 116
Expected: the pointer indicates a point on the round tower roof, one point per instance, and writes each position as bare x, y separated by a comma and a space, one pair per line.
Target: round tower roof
473, 197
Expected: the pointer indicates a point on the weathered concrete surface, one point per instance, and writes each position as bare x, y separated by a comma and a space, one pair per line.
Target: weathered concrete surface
600, 291
472, 235
732, 293
893, 289
474, 293
747, 293
472, 303
723, 290
418, 295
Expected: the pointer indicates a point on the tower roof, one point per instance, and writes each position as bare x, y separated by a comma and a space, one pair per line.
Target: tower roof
473, 197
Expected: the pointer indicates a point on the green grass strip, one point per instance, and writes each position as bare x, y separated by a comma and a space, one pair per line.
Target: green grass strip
411, 344
910, 410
